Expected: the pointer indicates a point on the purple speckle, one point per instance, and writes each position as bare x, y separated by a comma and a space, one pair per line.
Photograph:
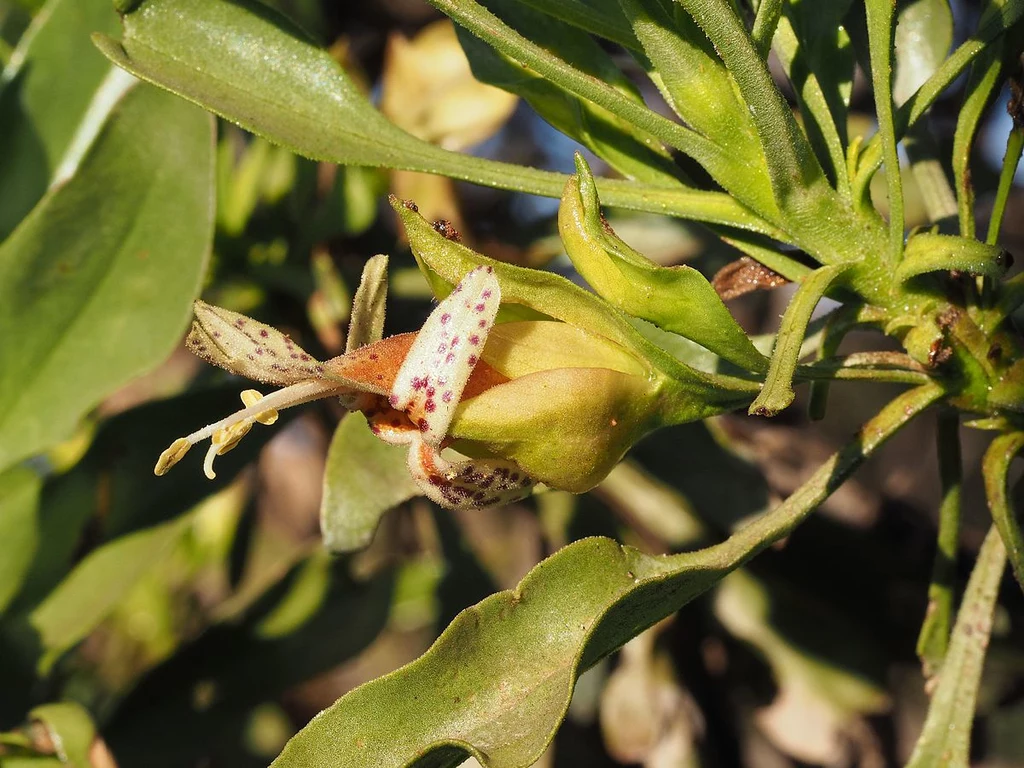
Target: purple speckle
486, 294
445, 318
482, 324
480, 307
264, 333
430, 406
449, 359
473, 359
446, 397
474, 340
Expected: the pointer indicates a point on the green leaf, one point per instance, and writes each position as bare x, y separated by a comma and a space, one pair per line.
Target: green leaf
603, 18
678, 299
700, 90
499, 680
178, 45
96, 585
118, 471
97, 283
880, 19
997, 19
1011, 160
929, 252
792, 166
71, 729
946, 738
363, 479
995, 468
933, 641
488, 27
51, 100
777, 393
924, 34
818, 58
242, 666
19, 528
631, 151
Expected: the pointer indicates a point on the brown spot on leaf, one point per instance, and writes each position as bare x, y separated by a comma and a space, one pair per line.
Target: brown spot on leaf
745, 276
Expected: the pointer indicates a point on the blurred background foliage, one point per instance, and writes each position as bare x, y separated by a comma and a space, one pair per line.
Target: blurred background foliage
189, 623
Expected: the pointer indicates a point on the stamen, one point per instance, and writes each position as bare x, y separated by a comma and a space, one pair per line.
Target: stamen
226, 433
171, 456
296, 394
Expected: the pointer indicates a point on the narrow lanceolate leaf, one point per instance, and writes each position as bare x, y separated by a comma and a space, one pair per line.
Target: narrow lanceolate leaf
48, 96
933, 641
996, 467
499, 680
791, 163
179, 45
603, 18
777, 392
996, 20
19, 528
881, 20
946, 738
678, 299
699, 88
366, 324
363, 479
922, 37
928, 252
481, 22
96, 284
632, 152
816, 53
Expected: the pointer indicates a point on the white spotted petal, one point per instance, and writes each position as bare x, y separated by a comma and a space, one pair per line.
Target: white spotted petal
468, 484
431, 380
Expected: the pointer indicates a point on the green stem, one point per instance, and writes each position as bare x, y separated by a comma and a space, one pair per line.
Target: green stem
782, 520
933, 641
995, 468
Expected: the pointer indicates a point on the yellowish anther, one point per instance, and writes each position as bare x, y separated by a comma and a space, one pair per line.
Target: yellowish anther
224, 440
172, 456
250, 397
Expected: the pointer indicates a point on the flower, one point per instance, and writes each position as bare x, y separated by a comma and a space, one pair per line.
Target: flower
529, 377
409, 386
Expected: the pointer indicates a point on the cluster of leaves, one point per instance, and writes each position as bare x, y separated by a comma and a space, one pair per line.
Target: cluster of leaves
116, 193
